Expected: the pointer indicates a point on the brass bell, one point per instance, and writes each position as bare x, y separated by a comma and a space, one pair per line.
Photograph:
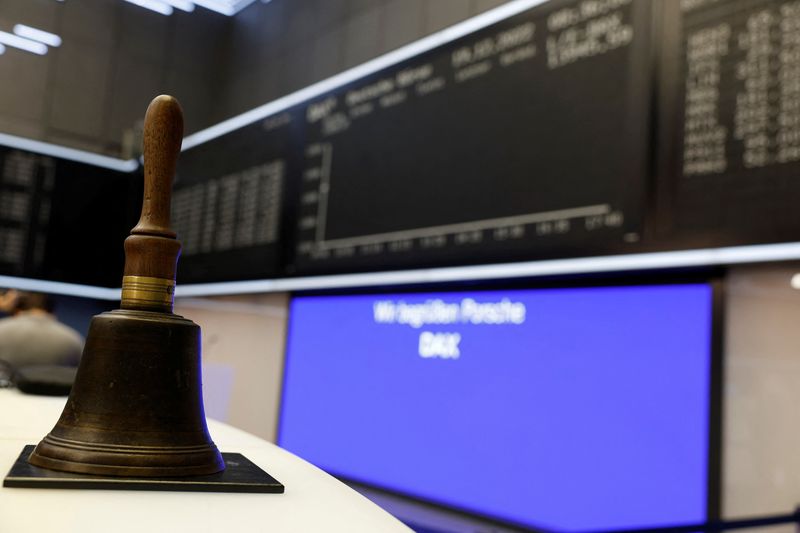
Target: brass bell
136, 408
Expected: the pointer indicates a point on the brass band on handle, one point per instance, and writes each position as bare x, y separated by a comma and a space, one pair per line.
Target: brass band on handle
142, 292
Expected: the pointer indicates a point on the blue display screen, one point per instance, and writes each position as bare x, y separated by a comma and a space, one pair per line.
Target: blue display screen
571, 409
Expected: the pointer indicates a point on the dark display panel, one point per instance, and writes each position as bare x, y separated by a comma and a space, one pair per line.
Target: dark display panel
528, 139
228, 202
64, 221
92, 213
577, 128
524, 140
731, 123
26, 186
570, 409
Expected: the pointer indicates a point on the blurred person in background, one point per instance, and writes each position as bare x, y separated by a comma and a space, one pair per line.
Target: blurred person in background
32, 335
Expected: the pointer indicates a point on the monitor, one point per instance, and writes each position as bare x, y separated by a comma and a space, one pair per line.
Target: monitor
571, 408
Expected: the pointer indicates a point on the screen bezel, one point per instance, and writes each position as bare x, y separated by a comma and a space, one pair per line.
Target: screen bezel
714, 279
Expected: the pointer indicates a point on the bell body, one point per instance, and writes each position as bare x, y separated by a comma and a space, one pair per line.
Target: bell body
136, 408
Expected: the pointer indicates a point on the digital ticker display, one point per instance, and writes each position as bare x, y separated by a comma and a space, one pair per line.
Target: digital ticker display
564, 129
487, 148
570, 408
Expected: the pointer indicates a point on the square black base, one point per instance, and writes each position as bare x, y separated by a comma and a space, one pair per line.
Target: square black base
240, 475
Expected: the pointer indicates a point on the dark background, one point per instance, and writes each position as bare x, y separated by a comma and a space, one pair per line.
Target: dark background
523, 139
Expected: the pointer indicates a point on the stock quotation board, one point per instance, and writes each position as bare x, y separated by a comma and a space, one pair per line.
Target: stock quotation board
575, 128
62, 220
732, 74
524, 140
527, 139
26, 184
228, 202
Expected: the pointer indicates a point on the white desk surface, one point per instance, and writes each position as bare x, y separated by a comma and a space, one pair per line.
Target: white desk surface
313, 501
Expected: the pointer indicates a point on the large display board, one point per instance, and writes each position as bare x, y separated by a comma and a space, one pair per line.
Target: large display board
64, 221
228, 200
488, 148
730, 123
575, 128
524, 140
26, 184
570, 409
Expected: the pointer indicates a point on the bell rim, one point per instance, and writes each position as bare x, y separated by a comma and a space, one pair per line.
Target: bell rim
124, 471
128, 460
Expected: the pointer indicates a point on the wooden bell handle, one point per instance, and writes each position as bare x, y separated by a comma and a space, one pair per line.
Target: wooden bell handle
163, 134
151, 251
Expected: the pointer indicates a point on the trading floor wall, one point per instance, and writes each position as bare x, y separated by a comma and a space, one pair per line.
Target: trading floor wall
760, 463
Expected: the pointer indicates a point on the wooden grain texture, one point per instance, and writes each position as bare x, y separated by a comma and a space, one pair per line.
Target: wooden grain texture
163, 134
151, 250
